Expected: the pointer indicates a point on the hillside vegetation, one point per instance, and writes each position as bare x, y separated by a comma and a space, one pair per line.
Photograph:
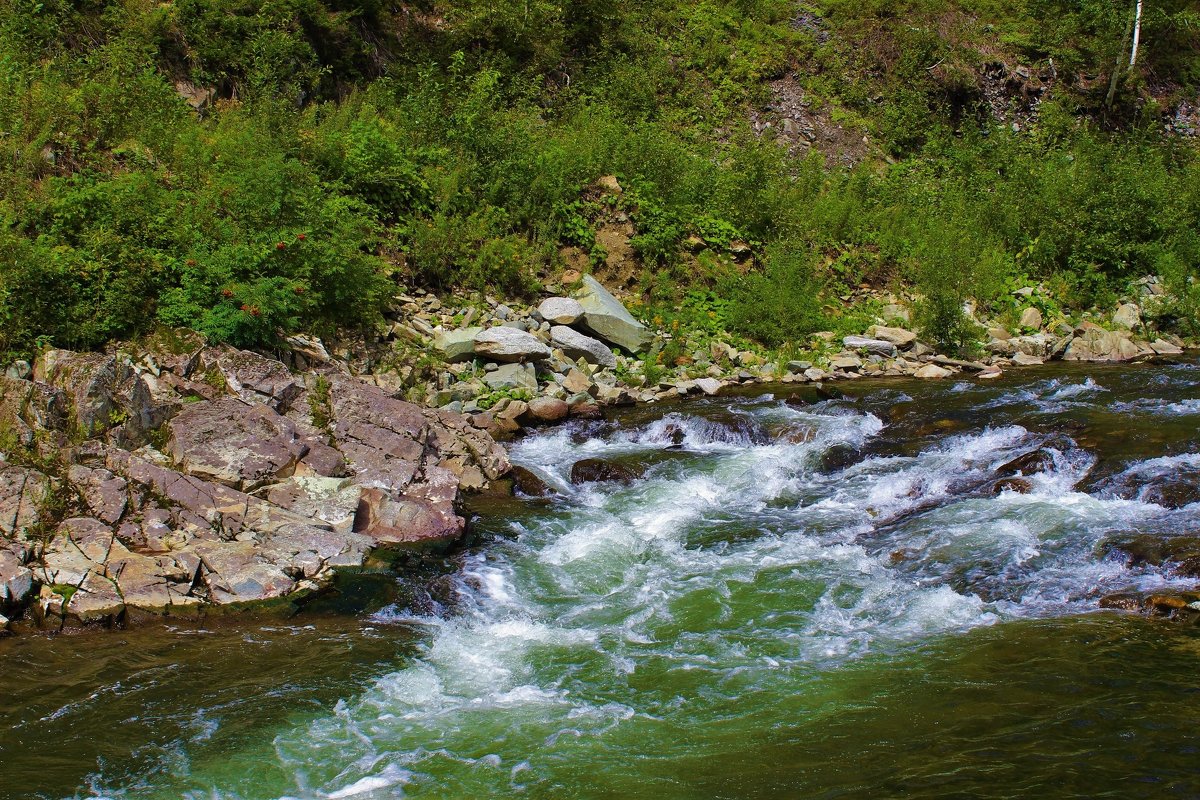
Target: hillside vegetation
247, 169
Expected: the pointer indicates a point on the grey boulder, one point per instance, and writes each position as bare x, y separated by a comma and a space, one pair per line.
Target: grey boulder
604, 316
576, 345
510, 345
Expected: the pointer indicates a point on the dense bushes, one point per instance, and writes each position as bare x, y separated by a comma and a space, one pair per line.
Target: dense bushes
346, 148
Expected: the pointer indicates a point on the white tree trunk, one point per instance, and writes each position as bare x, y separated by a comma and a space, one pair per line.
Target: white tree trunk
1137, 33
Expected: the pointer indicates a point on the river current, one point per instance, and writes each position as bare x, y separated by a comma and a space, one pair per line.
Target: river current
805, 594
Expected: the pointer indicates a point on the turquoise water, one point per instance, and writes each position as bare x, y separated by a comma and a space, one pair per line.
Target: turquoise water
822, 598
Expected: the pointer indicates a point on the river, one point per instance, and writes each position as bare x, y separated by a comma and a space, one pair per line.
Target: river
803, 596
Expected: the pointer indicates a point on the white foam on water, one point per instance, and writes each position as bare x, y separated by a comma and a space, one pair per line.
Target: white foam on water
732, 565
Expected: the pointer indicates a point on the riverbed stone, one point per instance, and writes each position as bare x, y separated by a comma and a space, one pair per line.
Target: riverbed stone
932, 371
512, 376
577, 345
876, 346
510, 345
606, 317
598, 470
561, 310
547, 409
458, 345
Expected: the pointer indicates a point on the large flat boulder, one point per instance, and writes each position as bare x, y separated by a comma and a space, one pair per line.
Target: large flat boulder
512, 376
243, 445
510, 345
879, 347
1097, 344
576, 345
605, 316
456, 346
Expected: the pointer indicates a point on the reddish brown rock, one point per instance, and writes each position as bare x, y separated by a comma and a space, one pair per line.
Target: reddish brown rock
243, 445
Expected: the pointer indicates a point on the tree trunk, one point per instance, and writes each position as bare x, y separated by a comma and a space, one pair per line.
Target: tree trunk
1137, 34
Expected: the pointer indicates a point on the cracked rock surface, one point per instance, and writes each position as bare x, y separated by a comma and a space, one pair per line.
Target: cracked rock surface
168, 484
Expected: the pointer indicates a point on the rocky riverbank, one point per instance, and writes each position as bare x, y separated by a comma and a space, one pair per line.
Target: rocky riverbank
574, 352
170, 478
177, 479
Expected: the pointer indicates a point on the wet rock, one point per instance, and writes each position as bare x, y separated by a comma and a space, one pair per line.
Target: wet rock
1172, 494
560, 310
1177, 605
709, 386
1034, 462
528, 484
1181, 552
1123, 601
1017, 485
510, 345
838, 457
456, 346
597, 470
607, 318
576, 345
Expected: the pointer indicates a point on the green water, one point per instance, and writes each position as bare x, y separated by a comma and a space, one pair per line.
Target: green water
748, 620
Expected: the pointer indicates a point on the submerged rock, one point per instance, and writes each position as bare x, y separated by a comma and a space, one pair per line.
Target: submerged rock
528, 484
597, 470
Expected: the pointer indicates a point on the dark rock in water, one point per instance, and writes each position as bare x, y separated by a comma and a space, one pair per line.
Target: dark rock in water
1018, 485
676, 434
838, 457
1172, 494
940, 427
1175, 604
829, 393
1179, 606
1181, 551
1123, 601
597, 470
1031, 463
530, 485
